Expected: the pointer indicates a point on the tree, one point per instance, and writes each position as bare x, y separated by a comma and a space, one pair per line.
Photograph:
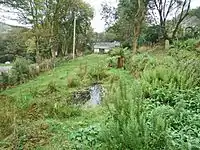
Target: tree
52, 25
130, 14
179, 9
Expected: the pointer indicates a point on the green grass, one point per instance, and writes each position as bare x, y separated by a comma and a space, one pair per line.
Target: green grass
40, 101
38, 115
1, 64
58, 75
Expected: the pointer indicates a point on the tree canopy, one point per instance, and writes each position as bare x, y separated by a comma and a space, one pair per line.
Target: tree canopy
52, 25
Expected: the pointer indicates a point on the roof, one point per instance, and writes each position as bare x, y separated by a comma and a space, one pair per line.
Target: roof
106, 45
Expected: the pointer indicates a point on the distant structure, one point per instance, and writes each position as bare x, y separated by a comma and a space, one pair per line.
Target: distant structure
105, 47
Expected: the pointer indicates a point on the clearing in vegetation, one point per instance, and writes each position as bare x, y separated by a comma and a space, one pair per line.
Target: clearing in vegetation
153, 104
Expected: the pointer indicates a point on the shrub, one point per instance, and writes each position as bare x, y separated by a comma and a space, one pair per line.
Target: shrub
73, 81
131, 126
98, 72
4, 80
86, 138
87, 52
34, 70
118, 51
188, 45
46, 65
168, 77
184, 118
112, 61
20, 71
138, 63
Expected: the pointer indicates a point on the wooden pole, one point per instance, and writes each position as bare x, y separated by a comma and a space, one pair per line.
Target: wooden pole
74, 37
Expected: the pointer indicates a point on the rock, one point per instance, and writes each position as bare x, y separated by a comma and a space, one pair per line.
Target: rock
167, 45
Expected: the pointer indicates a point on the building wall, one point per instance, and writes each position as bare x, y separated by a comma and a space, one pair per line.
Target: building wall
107, 50
96, 50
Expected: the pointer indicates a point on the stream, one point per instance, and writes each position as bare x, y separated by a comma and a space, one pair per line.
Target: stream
89, 96
95, 94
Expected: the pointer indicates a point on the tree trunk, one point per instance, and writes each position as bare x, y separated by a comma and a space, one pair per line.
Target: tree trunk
135, 37
120, 62
138, 19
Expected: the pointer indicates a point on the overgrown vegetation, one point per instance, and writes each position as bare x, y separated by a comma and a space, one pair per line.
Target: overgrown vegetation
150, 100
153, 104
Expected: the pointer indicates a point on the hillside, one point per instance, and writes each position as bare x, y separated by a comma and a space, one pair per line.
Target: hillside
5, 28
154, 102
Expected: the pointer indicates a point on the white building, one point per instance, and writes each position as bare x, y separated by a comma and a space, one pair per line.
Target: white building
105, 47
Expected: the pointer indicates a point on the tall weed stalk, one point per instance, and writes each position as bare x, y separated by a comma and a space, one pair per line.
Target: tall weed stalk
131, 125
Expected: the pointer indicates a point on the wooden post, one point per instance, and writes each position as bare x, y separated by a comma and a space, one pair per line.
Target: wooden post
74, 38
167, 45
120, 63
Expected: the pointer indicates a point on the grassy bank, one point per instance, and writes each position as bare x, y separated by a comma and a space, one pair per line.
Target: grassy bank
153, 104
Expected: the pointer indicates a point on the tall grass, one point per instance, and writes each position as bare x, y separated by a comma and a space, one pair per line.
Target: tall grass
130, 125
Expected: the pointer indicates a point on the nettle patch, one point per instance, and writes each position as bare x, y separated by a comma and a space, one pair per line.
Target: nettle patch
86, 138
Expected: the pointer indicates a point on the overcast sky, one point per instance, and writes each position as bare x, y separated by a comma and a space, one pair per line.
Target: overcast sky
97, 22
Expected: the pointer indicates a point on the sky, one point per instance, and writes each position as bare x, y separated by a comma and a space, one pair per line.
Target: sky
99, 25
97, 22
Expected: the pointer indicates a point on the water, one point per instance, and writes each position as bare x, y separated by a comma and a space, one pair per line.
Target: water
4, 69
95, 94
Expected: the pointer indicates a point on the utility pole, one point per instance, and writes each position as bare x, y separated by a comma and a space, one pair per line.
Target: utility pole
74, 38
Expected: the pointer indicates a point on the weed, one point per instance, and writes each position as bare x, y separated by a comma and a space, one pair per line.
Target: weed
19, 71
130, 126
86, 138
73, 81
98, 73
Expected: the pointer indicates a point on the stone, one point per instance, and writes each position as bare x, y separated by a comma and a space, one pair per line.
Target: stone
167, 45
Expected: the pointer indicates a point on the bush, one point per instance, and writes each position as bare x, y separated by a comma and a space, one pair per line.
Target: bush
169, 78
131, 126
139, 62
118, 51
188, 45
46, 65
73, 81
34, 70
98, 72
184, 118
86, 138
20, 71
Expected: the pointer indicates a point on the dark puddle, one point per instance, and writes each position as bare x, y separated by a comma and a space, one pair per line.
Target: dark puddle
91, 95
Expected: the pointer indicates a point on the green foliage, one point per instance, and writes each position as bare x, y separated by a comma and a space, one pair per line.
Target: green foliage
20, 71
86, 138
184, 120
138, 63
98, 73
188, 45
118, 51
46, 65
73, 81
61, 111
169, 77
130, 125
